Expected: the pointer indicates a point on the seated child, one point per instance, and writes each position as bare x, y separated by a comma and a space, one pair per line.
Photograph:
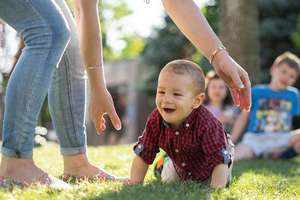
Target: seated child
218, 101
273, 108
195, 141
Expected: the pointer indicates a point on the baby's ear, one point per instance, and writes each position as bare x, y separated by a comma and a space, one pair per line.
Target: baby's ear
198, 100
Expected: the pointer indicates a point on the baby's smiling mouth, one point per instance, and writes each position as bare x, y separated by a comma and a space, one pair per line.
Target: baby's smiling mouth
169, 110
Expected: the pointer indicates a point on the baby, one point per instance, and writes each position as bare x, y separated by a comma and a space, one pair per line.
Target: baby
195, 141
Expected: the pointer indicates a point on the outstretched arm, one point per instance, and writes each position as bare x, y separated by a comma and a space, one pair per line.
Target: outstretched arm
101, 102
193, 24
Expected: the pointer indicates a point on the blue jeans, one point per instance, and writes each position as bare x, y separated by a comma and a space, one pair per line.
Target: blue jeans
67, 96
46, 34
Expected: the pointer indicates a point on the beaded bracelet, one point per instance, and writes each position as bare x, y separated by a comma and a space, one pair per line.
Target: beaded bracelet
218, 50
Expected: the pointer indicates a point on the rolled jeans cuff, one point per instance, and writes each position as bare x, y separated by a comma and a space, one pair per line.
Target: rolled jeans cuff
16, 154
73, 150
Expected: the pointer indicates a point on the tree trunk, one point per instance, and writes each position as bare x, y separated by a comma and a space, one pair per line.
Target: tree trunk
239, 33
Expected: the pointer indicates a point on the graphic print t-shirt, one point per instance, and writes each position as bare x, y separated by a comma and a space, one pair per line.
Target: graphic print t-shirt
272, 111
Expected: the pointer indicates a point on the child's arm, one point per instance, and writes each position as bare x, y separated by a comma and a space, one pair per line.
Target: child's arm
138, 170
219, 177
239, 126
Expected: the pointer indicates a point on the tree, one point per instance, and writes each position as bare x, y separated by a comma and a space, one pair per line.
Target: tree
239, 33
111, 14
166, 44
277, 29
296, 42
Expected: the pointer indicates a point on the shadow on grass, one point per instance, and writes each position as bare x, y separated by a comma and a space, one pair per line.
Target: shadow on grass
287, 168
155, 190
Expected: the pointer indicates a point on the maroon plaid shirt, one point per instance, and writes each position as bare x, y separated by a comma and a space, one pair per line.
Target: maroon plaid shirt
195, 148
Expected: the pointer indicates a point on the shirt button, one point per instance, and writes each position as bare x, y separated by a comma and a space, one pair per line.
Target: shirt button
189, 173
176, 133
176, 150
183, 164
187, 125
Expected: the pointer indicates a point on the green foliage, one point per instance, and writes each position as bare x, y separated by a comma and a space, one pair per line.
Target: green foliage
166, 44
134, 47
277, 29
118, 9
111, 14
253, 179
296, 35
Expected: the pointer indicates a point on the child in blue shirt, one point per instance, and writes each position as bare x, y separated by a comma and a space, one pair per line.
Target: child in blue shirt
273, 108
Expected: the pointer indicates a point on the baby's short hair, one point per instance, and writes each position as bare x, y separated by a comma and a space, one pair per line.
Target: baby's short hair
290, 59
186, 67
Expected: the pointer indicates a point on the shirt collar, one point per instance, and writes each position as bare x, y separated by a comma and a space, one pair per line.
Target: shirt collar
186, 123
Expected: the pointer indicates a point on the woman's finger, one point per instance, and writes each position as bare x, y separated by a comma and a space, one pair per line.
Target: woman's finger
245, 93
114, 118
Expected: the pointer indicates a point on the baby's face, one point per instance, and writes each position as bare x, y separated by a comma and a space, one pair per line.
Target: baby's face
175, 97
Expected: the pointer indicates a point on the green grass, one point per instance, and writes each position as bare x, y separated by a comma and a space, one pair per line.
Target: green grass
255, 179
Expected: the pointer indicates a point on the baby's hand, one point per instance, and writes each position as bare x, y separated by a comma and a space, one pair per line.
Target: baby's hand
126, 181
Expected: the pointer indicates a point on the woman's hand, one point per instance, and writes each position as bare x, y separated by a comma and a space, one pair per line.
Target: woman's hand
236, 78
101, 103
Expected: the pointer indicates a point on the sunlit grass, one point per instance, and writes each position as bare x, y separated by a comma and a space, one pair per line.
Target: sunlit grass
255, 179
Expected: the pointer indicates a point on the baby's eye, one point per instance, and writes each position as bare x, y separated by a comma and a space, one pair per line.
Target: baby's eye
160, 92
177, 94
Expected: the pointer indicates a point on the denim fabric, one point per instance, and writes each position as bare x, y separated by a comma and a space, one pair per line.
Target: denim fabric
66, 95
46, 34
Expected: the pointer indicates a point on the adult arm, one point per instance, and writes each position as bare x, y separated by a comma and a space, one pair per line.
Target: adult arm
100, 103
193, 24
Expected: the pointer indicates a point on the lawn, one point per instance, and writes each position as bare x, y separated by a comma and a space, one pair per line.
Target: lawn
255, 179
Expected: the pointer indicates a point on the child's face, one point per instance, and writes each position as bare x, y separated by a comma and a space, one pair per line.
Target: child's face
176, 97
216, 90
283, 76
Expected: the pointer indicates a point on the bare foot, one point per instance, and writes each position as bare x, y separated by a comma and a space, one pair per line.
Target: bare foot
25, 172
20, 169
79, 166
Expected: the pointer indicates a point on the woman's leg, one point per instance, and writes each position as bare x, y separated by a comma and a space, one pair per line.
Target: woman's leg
67, 105
46, 35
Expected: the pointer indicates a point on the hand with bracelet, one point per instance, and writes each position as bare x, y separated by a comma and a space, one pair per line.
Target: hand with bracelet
100, 103
235, 77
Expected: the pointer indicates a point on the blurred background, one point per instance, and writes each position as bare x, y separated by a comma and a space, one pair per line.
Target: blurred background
139, 38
